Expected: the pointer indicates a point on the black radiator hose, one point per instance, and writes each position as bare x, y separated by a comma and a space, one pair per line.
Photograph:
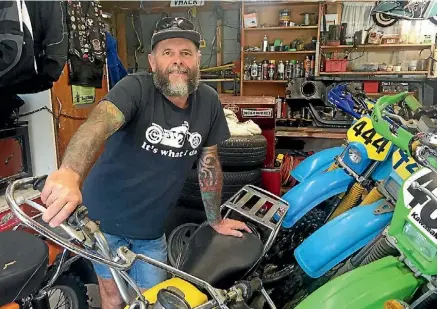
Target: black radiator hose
381, 249
374, 251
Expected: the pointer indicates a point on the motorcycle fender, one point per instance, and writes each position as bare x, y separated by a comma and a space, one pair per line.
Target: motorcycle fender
306, 195
340, 238
385, 6
317, 162
192, 295
366, 287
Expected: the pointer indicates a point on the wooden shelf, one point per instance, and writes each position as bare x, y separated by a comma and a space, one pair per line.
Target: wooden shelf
282, 53
311, 132
281, 28
379, 47
378, 94
376, 73
281, 3
218, 80
266, 81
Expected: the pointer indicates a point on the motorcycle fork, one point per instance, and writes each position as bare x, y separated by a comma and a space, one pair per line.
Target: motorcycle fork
349, 200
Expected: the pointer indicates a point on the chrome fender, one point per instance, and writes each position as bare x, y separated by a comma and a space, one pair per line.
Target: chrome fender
340, 238
317, 162
306, 195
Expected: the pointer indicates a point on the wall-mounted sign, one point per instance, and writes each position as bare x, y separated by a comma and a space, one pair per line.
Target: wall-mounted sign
257, 112
187, 3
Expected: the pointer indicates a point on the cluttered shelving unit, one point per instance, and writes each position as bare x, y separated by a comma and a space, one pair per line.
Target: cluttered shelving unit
292, 31
287, 22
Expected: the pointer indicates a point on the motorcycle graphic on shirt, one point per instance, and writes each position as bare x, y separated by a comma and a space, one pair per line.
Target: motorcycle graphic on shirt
175, 137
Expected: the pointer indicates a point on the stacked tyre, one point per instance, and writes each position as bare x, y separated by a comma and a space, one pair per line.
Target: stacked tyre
241, 159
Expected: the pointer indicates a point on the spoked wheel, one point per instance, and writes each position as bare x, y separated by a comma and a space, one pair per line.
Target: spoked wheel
68, 292
178, 240
383, 20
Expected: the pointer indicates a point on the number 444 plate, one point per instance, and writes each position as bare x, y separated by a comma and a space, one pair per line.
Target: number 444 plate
376, 145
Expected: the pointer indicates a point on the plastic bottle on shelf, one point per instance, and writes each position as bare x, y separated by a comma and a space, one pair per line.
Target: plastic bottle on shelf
280, 70
265, 45
307, 67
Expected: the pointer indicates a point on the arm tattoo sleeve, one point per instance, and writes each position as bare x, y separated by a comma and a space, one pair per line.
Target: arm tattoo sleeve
210, 181
103, 121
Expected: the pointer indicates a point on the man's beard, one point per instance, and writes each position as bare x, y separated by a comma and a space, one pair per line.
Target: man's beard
176, 89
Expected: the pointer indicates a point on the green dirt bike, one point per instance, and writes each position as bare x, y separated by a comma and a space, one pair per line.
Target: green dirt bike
405, 277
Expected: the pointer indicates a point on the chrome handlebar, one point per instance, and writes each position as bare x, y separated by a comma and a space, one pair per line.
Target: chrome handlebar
86, 233
83, 236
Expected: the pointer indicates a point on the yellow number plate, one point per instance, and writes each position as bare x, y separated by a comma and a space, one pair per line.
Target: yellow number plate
363, 132
403, 165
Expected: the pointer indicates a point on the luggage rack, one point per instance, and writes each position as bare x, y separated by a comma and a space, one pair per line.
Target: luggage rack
260, 206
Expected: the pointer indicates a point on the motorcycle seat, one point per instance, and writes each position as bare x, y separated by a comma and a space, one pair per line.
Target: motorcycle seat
218, 259
23, 265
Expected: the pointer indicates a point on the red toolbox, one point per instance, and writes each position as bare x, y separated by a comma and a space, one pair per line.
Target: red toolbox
336, 65
371, 87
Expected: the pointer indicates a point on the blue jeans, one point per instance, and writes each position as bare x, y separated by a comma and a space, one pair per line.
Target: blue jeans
144, 274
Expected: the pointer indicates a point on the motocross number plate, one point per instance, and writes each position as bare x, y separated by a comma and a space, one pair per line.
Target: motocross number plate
424, 211
403, 164
376, 145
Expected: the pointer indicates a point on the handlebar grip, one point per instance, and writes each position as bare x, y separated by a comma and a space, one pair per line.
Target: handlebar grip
40, 183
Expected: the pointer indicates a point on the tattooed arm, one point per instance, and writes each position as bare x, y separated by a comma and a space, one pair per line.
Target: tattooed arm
210, 181
104, 120
61, 193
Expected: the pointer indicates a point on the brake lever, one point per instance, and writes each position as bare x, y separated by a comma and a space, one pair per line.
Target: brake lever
78, 226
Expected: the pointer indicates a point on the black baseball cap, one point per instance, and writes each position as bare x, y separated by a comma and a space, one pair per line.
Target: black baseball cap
175, 27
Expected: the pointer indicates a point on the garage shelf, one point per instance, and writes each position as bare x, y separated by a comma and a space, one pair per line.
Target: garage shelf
267, 81
280, 53
281, 28
376, 73
378, 94
311, 132
379, 47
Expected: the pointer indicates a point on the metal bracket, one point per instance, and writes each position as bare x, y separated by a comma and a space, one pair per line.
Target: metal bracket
384, 208
385, 193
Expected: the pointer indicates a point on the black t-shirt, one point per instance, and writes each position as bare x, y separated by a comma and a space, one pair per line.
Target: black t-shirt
141, 172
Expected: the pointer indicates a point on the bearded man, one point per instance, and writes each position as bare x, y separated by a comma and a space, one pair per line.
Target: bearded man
154, 127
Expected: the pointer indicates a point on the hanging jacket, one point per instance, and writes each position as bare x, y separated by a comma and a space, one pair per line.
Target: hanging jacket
116, 70
43, 50
87, 50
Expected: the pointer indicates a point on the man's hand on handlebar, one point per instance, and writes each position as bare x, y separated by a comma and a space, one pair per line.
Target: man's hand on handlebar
61, 195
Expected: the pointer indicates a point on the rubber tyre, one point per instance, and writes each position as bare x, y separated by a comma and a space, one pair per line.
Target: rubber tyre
288, 290
383, 20
178, 240
73, 286
232, 183
243, 151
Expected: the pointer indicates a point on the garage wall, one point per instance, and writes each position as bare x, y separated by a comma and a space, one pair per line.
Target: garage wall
207, 23
357, 16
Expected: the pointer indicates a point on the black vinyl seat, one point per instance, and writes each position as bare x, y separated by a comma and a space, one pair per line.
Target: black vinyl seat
23, 265
218, 259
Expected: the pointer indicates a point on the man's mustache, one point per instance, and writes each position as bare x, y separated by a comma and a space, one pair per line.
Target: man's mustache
178, 70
